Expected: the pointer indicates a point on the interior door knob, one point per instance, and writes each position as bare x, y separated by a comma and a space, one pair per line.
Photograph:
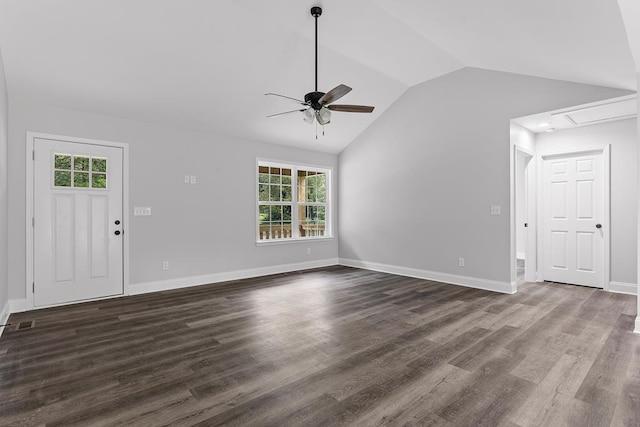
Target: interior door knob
598, 225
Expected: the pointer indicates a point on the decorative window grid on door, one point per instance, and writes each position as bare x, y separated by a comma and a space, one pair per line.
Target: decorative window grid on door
78, 171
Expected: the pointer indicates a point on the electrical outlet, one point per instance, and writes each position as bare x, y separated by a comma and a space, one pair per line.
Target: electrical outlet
165, 265
308, 251
460, 262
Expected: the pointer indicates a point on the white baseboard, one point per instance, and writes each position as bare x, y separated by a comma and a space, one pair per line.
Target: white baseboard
4, 316
637, 330
18, 305
471, 282
185, 282
623, 288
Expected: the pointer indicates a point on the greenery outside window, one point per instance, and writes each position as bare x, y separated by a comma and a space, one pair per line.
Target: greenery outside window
293, 202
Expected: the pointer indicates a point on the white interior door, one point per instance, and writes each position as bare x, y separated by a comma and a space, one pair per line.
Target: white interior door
573, 213
78, 244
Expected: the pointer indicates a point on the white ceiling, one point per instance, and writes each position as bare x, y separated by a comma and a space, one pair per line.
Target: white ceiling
205, 65
625, 107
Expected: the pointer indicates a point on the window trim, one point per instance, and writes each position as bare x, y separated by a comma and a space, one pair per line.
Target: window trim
295, 166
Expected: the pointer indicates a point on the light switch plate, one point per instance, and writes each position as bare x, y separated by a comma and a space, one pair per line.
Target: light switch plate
495, 210
193, 179
138, 211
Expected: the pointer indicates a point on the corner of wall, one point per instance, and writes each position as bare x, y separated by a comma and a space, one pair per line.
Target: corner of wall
453, 279
4, 188
4, 316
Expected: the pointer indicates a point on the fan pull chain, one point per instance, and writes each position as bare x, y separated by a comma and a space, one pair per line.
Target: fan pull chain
316, 131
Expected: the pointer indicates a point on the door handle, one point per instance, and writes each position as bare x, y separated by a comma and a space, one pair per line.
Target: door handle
598, 225
117, 232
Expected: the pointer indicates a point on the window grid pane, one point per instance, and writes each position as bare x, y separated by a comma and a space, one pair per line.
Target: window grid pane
274, 189
277, 218
78, 171
312, 203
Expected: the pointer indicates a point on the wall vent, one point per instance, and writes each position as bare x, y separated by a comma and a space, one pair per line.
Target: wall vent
29, 324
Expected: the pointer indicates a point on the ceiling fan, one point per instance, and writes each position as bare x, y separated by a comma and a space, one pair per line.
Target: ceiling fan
318, 105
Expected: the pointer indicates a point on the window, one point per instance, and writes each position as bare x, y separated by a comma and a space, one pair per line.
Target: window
79, 171
293, 202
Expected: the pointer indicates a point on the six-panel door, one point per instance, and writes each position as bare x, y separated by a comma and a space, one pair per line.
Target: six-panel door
572, 216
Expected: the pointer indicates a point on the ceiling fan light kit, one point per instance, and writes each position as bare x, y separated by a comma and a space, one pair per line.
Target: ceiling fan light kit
318, 105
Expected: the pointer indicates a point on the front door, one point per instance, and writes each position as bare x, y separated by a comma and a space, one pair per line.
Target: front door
573, 212
78, 244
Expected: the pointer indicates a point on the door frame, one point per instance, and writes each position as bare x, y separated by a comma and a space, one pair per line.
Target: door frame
531, 267
605, 150
30, 192
531, 258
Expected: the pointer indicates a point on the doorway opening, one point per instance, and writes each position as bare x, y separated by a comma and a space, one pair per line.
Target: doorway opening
560, 192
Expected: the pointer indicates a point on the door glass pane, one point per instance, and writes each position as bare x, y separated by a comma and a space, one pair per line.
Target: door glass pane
62, 161
80, 163
81, 179
62, 178
98, 164
99, 180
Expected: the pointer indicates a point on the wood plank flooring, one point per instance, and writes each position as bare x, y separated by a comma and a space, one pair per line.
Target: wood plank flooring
327, 347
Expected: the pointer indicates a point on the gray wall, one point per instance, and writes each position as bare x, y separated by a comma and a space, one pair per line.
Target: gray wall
200, 229
623, 137
4, 207
416, 187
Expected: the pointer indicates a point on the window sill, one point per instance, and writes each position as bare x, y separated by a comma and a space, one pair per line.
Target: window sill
298, 240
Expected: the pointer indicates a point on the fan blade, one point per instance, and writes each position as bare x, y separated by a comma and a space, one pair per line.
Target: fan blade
334, 94
350, 108
287, 112
286, 97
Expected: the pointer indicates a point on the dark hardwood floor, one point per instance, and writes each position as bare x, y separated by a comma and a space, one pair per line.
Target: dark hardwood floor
326, 347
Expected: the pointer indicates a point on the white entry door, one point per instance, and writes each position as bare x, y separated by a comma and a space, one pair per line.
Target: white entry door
573, 213
78, 244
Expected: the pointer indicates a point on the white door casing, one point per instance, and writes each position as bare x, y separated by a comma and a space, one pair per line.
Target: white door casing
77, 244
527, 212
574, 221
530, 179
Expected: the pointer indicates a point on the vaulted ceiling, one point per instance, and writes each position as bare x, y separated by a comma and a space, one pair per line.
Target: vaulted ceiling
205, 65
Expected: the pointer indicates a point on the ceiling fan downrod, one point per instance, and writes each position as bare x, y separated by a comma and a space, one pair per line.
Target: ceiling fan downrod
319, 105
316, 11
